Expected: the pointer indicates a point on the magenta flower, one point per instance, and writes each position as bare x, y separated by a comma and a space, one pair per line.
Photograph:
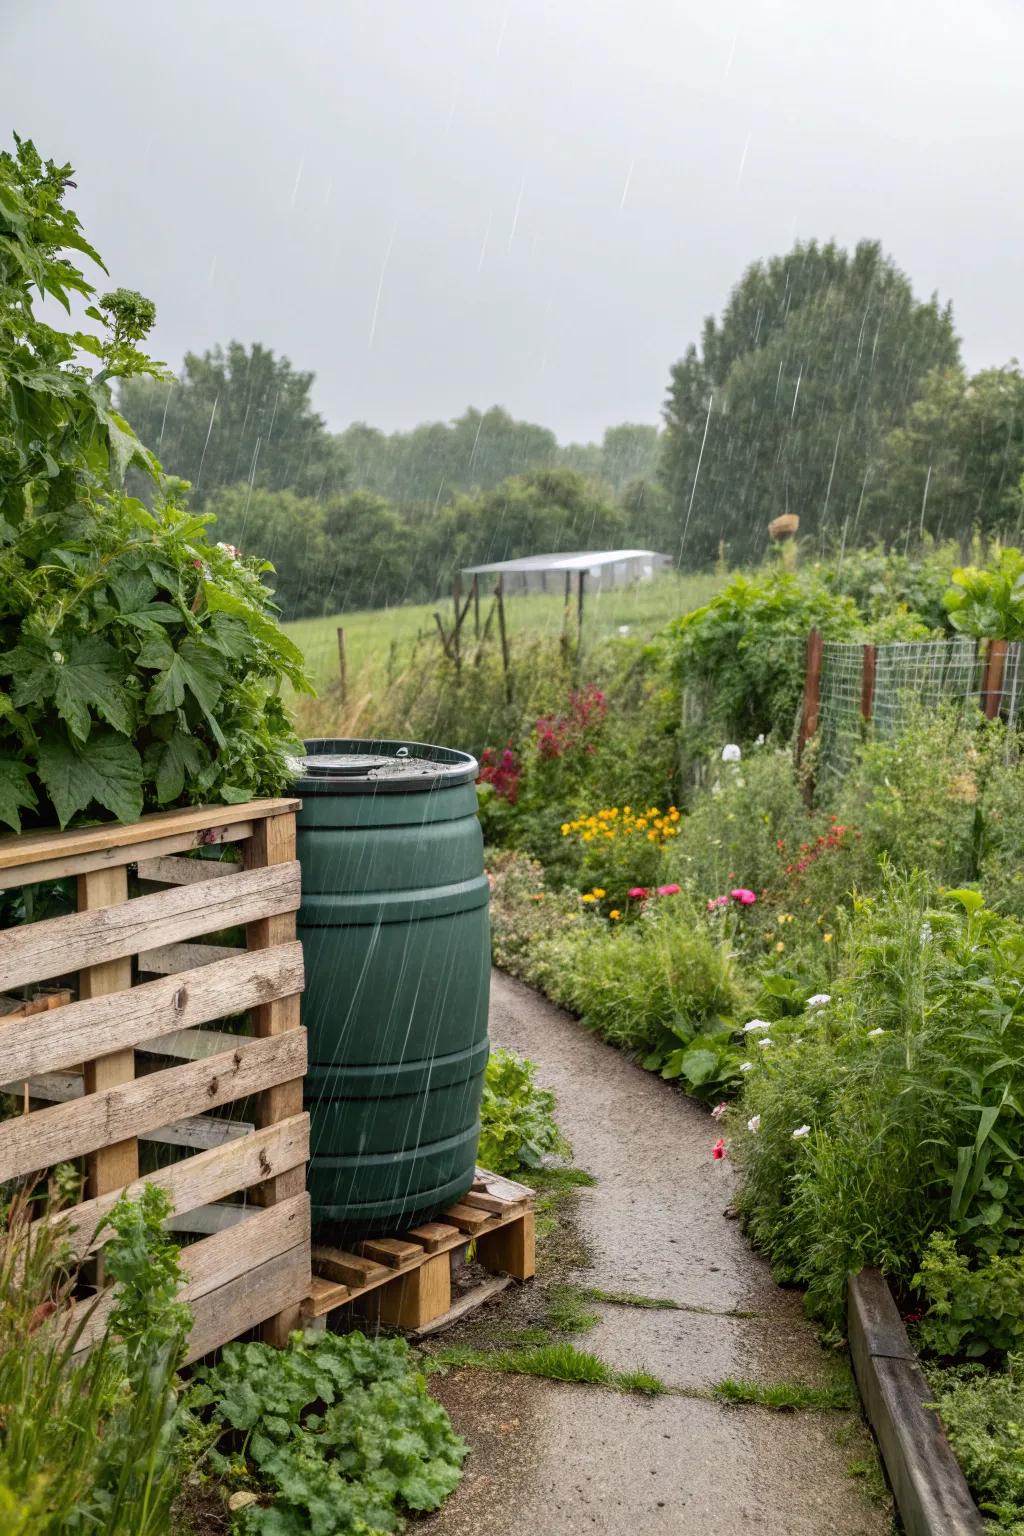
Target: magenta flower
718, 1150
743, 896
716, 902
668, 890
638, 892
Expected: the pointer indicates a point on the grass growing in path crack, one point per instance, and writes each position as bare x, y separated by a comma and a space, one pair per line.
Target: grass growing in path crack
785, 1396
641, 1381
558, 1362
662, 1303
567, 1311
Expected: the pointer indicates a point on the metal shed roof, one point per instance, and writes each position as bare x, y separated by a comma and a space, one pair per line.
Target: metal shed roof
577, 560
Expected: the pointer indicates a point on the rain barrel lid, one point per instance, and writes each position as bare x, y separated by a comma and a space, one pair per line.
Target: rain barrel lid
341, 766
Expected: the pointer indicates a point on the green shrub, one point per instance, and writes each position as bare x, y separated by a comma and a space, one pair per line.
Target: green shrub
142, 666
743, 653
665, 989
970, 1310
904, 1087
744, 827
983, 1416
517, 1118
989, 603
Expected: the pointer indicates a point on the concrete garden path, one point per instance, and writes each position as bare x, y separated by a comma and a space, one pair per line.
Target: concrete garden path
555, 1459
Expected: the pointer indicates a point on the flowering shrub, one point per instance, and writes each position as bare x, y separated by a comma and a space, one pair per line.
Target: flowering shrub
574, 731
623, 849
502, 772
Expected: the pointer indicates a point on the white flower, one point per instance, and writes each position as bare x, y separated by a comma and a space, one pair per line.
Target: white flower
58, 657
623, 629
818, 1000
764, 1044
718, 1111
873, 1034
926, 932
746, 1066
754, 1124
756, 1024
731, 753
760, 740
798, 1041
801, 1131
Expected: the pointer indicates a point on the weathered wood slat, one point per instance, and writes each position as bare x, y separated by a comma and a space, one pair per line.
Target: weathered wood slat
207, 1219
348, 1268
201, 1180
210, 1265
39, 950
436, 1235
466, 1218
114, 858
477, 1200
170, 871
102, 896
30, 848
390, 1251
190, 1044
63, 1131
505, 1189
153, 1009
171, 959
279, 1285
195, 1131
324, 1296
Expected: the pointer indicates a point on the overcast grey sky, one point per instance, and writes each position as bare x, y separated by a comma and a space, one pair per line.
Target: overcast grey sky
437, 203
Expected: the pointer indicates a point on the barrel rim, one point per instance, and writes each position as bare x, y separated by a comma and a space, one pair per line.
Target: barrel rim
454, 767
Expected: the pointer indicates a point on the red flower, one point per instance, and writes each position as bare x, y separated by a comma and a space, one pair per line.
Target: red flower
718, 1150
668, 890
638, 892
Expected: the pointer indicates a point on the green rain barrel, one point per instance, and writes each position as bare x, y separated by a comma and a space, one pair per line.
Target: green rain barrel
394, 927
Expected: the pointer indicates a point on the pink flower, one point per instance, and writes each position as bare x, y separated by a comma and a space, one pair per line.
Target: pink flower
715, 902
668, 890
638, 892
718, 1150
718, 1111
743, 896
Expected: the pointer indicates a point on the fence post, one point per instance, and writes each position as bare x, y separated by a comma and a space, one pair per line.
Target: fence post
992, 678
812, 692
499, 601
342, 665
867, 683
113, 1166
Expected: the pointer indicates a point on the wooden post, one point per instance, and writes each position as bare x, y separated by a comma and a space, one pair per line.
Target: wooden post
499, 599
273, 842
992, 678
867, 683
342, 665
566, 610
114, 1166
812, 691
580, 589
476, 607
510, 1250
456, 625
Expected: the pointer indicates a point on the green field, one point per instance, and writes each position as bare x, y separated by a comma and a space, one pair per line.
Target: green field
385, 639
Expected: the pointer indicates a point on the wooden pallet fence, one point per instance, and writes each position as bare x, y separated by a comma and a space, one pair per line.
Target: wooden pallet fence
405, 1280
104, 1042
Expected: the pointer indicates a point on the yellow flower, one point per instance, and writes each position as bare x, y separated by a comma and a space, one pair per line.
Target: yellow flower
827, 937
652, 837
779, 947
614, 915
566, 829
598, 892
588, 897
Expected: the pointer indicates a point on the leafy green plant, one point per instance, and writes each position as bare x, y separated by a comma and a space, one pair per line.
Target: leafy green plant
989, 603
337, 1434
88, 1444
971, 1310
517, 1118
983, 1415
142, 663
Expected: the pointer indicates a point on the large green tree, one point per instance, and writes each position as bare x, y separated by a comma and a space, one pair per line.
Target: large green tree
785, 407
236, 414
955, 465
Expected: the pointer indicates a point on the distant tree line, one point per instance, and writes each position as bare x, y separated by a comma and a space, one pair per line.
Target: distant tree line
826, 389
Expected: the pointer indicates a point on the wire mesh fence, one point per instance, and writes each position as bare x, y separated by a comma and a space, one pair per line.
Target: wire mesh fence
866, 687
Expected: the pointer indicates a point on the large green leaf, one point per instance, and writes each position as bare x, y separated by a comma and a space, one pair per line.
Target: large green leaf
91, 676
170, 760
16, 792
192, 668
108, 771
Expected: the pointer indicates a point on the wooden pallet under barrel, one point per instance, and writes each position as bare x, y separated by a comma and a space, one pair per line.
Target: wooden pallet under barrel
406, 1281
